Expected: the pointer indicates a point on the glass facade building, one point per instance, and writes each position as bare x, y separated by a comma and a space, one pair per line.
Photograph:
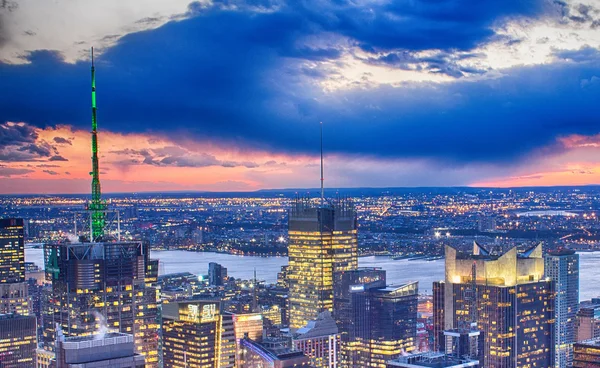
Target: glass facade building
562, 267
510, 301
385, 325
101, 285
13, 287
322, 240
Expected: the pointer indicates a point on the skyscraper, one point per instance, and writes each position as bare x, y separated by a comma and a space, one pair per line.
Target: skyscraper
193, 335
13, 287
322, 240
18, 341
562, 267
384, 324
217, 274
513, 304
101, 285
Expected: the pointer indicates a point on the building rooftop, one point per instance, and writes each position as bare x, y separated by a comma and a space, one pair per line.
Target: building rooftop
591, 342
432, 360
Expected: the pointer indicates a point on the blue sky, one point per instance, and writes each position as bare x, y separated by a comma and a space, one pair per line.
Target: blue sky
228, 95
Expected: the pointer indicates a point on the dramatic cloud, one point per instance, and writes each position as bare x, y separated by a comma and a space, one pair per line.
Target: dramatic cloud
421, 85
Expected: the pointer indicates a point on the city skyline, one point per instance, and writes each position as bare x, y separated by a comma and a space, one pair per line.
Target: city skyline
502, 97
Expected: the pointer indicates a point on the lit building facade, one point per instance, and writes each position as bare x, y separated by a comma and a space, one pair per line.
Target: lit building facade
385, 325
322, 240
562, 267
13, 287
100, 283
588, 320
511, 302
18, 341
586, 354
320, 341
438, 316
196, 334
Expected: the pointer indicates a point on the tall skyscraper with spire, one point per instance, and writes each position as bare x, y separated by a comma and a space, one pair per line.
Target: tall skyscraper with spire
96, 205
101, 283
322, 240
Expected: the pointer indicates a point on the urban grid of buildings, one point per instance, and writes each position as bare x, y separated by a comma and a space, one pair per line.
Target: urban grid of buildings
509, 298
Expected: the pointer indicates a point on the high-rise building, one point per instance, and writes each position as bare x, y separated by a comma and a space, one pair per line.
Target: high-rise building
320, 341
342, 293
18, 341
248, 325
438, 316
13, 287
588, 320
586, 354
511, 302
322, 240
217, 274
196, 334
562, 267
97, 285
98, 351
385, 324
271, 353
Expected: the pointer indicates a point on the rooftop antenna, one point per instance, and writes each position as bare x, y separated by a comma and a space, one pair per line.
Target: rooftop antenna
322, 179
96, 205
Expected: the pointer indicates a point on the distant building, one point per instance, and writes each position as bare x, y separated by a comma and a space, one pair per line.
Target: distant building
508, 288
385, 324
322, 240
562, 267
13, 286
271, 353
217, 274
282, 277
438, 316
97, 283
588, 320
432, 360
586, 354
18, 341
320, 341
193, 335
98, 351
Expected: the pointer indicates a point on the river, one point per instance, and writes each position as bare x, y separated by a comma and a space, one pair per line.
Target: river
399, 271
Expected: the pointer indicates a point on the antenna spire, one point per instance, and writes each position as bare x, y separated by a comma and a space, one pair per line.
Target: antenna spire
96, 205
322, 179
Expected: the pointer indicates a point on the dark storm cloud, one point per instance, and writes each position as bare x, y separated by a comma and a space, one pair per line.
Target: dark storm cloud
247, 83
61, 140
175, 156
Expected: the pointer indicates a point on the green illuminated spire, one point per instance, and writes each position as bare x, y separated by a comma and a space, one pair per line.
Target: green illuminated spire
96, 206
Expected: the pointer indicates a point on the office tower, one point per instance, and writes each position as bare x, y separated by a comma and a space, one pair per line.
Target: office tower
588, 320
438, 316
320, 341
509, 299
101, 285
282, 277
110, 350
586, 354
192, 334
432, 360
217, 274
244, 325
45, 358
13, 288
271, 353
385, 324
322, 240
227, 342
562, 267
18, 341
344, 281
